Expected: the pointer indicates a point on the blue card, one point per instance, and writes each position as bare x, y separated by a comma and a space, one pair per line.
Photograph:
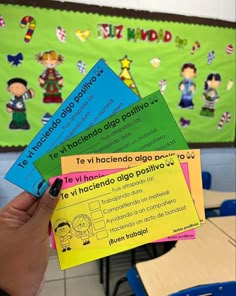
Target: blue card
99, 95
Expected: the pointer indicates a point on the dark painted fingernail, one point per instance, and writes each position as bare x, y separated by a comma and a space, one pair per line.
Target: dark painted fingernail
49, 228
56, 187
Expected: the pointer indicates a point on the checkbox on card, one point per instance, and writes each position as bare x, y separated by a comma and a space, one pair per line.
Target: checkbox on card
101, 234
99, 225
95, 205
96, 215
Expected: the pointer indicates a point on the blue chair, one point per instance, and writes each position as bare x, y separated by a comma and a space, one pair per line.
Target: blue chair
228, 208
215, 289
132, 276
135, 282
206, 180
206, 184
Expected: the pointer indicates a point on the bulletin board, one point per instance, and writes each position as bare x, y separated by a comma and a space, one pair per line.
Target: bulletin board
47, 48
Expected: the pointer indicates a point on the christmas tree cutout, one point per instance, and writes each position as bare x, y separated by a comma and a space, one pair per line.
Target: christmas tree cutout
126, 76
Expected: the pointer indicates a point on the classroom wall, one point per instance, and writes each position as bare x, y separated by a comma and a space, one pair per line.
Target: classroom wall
219, 161
216, 9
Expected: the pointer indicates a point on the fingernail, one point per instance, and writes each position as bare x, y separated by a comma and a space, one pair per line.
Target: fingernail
49, 228
56, 187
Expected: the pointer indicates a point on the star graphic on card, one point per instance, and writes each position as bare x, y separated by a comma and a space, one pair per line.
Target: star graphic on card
125, 63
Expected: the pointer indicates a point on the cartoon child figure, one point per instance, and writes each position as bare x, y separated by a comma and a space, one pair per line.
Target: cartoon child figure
163, 84
83, 226
187, 86
210, 94
63, 229
18, 88
51, 80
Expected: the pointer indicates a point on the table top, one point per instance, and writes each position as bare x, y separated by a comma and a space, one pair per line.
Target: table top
226, 224
207, 259
213, 199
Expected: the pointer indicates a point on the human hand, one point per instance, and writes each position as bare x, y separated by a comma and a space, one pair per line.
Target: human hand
24, 247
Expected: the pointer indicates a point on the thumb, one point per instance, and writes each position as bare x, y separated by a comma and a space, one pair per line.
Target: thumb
46, 206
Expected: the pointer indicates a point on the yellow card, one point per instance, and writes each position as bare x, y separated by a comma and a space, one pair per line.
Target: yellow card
93, 162
121, 211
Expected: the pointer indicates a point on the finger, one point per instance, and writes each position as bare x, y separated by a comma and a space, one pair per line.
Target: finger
33, 208
45, 208
23, 201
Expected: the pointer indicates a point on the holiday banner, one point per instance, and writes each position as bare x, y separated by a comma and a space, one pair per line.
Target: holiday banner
190, 60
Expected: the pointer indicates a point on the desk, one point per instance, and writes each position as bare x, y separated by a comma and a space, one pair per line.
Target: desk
213, 199
226, 224
207, 259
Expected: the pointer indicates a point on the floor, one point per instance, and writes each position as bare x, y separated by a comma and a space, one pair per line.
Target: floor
81, 280
84, 280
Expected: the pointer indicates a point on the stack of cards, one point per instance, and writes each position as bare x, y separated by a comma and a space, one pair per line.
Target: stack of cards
129, 177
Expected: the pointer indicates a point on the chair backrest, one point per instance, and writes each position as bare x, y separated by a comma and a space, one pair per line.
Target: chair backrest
228, 208
206, 180
215, 289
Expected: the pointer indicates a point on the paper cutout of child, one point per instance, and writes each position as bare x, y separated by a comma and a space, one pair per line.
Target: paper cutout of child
210, 94
187, 86
18, 88
51, 80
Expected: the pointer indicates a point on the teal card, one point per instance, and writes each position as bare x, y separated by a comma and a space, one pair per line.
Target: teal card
99, 95
147, 125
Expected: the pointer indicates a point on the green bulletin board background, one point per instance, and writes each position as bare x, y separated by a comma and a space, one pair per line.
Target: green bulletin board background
142, 48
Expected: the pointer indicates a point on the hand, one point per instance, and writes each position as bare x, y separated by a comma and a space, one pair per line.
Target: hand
41, 81
192, 88
31, 92
60, 81
181, 87
9, 110
24, 241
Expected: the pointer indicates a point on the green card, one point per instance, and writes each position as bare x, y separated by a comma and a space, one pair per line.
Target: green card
144, 126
